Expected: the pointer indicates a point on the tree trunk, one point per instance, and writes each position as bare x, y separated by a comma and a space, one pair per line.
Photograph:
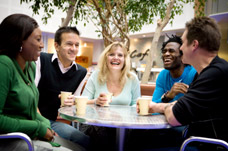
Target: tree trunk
154, 45
149, 59
70, 13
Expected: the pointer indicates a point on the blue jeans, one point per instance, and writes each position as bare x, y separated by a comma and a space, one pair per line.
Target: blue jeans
70, 133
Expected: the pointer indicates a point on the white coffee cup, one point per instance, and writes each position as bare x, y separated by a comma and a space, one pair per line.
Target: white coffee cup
64, 96
109, 97
80, 103
144, 105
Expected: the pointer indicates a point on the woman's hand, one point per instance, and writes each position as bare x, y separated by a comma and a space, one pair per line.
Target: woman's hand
101, 100
54, 133
49, 136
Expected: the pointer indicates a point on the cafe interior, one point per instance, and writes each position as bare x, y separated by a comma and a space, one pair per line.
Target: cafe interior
91, 46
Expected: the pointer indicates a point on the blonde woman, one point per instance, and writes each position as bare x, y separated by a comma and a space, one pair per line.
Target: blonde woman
113, 76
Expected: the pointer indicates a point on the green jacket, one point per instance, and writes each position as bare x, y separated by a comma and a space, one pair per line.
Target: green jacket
19, 99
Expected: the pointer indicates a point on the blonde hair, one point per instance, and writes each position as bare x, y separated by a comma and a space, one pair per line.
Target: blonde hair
103, 67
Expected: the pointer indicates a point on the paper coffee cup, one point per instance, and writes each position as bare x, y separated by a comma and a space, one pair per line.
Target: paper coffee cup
80, 103
64, 96
144, 105
109, 97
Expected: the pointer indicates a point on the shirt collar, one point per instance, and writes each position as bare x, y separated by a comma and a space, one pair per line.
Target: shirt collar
55, 56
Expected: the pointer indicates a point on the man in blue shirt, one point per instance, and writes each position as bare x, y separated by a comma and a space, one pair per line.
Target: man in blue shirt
171, 84
174, 80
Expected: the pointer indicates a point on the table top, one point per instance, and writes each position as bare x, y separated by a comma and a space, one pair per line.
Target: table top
117, 116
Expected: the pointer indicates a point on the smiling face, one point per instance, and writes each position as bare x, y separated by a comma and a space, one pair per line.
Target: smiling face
68, 49
31, 47
171, 56
115, 58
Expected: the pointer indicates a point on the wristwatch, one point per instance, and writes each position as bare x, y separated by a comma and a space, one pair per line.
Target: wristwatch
165, 99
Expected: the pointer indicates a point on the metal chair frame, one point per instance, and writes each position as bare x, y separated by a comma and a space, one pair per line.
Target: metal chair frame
204, 140
19, 135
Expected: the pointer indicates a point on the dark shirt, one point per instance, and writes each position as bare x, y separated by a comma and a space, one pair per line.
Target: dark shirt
204, 106
53, 81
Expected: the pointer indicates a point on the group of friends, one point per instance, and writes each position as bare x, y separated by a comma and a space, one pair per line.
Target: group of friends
190, 91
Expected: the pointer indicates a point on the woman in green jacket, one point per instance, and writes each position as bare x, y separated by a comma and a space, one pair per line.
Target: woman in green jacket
20, 46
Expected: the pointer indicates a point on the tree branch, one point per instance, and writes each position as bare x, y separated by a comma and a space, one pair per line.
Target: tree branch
117, 21
168, 14
70, 13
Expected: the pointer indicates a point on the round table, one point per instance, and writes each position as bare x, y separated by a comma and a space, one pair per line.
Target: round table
117, 116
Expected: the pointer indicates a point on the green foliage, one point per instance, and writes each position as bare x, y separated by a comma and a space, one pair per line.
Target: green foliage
143, 12
200, 8
81, 13
50, 6
139, 12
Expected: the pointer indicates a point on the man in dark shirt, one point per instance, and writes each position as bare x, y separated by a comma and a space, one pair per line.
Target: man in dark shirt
59, 72
204, 106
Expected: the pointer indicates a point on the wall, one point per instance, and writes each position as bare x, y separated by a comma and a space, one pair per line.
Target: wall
139, 47
219, 11
98, 48
86, 52
222, 19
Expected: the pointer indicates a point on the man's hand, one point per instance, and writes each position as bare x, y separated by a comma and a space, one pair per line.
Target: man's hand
69, 101
152, 107
176, 89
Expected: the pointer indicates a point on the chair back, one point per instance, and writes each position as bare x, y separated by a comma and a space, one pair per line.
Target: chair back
19, 135
204, 140
147, 89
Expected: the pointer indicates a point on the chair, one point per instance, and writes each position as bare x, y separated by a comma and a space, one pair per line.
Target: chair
19, 135
147, 89
204, 140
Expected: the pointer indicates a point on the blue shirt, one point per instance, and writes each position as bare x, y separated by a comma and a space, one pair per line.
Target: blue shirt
128, 95
165, 82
